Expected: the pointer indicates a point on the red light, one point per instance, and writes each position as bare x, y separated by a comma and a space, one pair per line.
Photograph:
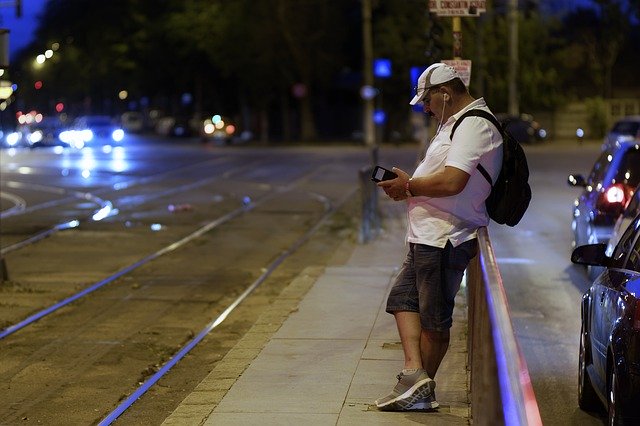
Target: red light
59, 107
38, 85
613, 200
615, 194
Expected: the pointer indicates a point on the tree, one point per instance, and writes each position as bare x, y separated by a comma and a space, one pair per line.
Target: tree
594, 38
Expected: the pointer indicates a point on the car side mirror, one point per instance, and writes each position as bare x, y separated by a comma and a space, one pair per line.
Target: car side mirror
576, 180
591, 254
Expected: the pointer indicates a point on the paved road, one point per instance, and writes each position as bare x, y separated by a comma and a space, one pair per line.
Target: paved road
543, 288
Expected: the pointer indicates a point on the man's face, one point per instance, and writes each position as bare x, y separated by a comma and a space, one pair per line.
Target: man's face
432, 102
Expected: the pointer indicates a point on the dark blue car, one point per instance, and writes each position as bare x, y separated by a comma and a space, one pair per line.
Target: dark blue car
606, 191
609, 365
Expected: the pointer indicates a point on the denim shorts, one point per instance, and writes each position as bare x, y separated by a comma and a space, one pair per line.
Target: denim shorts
428, 282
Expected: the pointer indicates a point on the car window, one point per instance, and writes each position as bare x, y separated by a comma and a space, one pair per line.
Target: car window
627, 252
633, 208
599, 168
629, 170
628, 128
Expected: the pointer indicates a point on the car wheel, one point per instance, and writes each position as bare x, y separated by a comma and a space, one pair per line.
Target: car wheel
587, 398
615, 415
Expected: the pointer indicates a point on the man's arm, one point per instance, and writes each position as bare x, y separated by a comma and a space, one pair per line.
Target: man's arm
444, 183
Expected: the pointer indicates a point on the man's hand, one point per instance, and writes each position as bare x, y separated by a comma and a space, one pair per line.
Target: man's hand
395, 188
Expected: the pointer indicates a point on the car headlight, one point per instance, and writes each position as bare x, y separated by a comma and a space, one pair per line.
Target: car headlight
35, 137
13, 138
117, 135
72, 138
87, 135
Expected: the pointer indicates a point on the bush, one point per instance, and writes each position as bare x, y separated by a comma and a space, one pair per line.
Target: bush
597, 116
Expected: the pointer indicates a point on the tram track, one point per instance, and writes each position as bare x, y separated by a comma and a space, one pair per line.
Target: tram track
244, 208
255, 225
105, 207
103, 349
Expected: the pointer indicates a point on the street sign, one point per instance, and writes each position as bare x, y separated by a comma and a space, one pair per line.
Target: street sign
457, 7
462, 67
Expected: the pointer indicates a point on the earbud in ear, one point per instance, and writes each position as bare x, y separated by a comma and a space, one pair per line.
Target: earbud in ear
445, 97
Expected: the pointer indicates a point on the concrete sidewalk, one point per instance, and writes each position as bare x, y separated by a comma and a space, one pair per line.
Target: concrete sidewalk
326, 350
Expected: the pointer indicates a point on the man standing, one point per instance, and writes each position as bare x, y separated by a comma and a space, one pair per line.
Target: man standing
445, 200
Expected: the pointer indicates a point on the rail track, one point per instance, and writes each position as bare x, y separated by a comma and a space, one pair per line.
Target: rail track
161, 292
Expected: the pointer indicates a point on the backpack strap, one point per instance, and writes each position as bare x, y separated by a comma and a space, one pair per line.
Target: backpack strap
488, 116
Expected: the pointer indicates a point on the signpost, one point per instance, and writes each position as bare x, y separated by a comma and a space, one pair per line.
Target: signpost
457, 7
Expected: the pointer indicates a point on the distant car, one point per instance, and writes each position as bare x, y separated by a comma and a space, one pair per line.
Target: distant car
609, 357
627, 128
45, 133
132, 121
523, 128
180, 127
218, 129
91, 130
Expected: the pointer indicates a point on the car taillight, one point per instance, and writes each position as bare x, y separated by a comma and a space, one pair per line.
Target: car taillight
613, 199
615, 194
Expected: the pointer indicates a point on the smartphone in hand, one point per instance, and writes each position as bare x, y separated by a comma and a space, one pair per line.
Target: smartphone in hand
380, 174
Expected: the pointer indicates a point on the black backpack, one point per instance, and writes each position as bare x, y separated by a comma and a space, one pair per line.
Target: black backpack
511, 194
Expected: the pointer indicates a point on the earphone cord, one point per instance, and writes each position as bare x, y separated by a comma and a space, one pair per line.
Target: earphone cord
441, 117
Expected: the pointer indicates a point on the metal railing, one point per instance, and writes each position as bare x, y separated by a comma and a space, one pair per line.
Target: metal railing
501, 390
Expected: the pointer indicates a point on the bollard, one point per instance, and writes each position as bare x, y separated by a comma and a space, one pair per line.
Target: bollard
370, 216
4, 273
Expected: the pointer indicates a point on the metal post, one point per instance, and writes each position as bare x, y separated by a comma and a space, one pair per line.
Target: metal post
514, 107
457, 37
367, 72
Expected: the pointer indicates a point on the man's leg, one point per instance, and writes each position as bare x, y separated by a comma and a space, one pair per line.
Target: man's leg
433, 347
422, 348
408, 324
414, 390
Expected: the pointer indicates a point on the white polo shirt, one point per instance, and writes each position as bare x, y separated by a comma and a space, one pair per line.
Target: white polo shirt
435, 220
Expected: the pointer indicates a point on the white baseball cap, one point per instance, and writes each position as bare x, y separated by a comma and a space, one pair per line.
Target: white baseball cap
436, 74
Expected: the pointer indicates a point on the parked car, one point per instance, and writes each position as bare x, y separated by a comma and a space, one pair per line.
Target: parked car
627, 128
631, 210
609, 357
606, 191
92, 129
523, 128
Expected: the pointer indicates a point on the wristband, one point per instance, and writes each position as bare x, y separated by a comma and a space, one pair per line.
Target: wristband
407, 191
